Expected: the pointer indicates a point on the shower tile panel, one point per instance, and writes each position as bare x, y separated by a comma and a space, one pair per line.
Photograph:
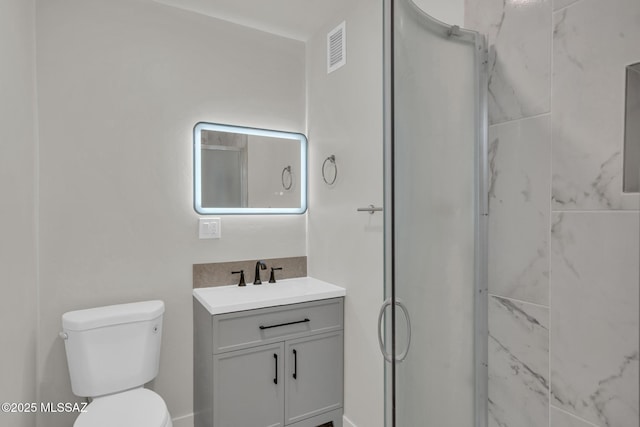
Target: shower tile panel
562, 419
519, 205
593, 42
559, 4
519, 36
594, 316
518, 364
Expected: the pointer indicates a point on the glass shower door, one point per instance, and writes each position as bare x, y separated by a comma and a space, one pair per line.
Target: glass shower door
435, 244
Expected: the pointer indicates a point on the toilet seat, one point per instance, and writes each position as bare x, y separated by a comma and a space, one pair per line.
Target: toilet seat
134, 408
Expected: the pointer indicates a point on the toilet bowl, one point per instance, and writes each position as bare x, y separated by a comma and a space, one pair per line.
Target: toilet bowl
112, 352
134, 408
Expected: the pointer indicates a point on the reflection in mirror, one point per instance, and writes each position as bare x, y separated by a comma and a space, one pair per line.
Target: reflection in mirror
632, 130
240, 170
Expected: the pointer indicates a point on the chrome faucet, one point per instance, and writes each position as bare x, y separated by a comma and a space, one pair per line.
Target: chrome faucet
260, 265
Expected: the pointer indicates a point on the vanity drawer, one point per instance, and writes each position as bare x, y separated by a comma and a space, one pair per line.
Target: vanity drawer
234, 331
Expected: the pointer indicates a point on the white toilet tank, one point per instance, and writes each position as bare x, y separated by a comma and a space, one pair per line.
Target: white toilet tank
114, 348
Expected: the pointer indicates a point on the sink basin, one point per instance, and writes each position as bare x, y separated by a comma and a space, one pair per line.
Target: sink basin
229, 299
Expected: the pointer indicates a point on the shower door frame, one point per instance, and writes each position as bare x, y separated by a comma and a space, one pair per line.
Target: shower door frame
481, 207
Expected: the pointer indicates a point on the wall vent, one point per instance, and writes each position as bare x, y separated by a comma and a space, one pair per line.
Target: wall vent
337, 47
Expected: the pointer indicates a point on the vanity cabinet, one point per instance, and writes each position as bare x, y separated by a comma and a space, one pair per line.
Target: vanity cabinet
314, 376
247, 387
269, 367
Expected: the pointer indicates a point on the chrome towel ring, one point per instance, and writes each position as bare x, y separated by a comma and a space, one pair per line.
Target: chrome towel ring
332, 160
287, 171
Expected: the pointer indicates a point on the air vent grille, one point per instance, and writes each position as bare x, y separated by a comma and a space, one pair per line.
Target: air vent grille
336, 47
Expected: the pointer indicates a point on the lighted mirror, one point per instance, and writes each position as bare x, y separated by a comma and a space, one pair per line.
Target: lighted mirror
241, 170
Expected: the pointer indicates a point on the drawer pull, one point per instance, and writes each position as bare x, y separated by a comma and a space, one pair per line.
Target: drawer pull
285, 324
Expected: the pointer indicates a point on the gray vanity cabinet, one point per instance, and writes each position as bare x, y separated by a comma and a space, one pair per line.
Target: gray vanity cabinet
314, 376
248, 388
269, 367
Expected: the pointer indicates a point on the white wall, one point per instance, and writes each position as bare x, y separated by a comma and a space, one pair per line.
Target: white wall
17, 201
346, 247
122, 83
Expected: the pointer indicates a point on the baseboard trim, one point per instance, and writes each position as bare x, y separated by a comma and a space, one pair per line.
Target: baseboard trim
183, 421
347, 422
187, 421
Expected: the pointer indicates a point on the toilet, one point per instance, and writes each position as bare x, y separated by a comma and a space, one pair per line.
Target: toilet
112, 352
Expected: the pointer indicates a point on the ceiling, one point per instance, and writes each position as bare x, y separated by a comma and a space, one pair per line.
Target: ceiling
296, 19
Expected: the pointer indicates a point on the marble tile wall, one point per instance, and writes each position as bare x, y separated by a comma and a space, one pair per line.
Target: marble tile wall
593, 42
563, 419
594, 337
560, 4
519, 55
518, 363
564, 238
520, 164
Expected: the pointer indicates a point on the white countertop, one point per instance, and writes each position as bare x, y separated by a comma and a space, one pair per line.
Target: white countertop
229, 299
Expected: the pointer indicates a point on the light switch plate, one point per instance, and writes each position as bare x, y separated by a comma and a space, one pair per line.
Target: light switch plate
209, 228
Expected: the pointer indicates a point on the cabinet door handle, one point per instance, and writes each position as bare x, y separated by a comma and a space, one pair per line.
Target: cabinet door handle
284, 324
275, 379
295, 365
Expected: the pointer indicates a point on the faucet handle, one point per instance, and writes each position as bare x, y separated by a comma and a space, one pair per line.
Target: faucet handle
241, 273
272, 278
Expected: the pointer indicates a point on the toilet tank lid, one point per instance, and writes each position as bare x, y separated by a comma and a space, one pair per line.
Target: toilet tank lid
82, 320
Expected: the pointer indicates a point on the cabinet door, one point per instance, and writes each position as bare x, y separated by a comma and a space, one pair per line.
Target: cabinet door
314, 375
248, 389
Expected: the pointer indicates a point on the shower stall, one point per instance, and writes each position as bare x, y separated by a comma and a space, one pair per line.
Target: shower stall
433, 322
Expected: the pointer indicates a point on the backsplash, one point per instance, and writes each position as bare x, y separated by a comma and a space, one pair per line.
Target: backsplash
219, 273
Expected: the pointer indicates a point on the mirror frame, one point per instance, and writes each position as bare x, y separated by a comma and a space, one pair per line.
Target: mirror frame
197, 170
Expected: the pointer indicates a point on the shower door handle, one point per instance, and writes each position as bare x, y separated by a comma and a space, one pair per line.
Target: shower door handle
403, 355
384, 306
